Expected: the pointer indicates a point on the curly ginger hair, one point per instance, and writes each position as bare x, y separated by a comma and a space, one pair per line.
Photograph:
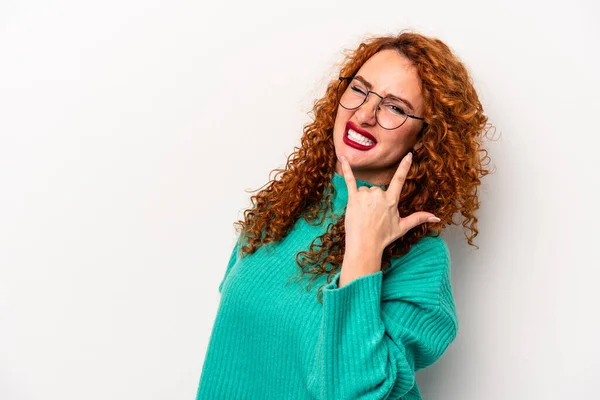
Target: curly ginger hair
443, 177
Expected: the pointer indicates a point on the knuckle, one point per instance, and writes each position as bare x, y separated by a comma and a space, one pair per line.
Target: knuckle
400, 178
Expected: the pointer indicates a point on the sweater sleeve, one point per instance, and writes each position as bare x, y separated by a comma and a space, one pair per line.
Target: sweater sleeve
378, 330
235, 254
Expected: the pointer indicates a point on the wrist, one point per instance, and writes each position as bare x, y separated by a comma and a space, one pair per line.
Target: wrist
359, 262
363, 249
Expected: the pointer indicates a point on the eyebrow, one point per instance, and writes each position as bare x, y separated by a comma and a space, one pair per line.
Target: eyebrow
363, 80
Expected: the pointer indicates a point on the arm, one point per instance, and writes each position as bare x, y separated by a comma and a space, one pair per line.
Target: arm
359, 263
375, 333
232, 260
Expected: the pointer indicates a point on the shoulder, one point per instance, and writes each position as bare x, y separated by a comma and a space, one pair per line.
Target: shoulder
421, 274
429, 251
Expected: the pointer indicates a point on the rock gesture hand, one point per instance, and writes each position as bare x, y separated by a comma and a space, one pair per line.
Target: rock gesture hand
372, 220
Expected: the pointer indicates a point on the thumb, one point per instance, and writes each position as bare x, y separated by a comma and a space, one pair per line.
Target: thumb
418, 218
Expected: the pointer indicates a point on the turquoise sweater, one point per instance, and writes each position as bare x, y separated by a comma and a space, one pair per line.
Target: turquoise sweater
272, 339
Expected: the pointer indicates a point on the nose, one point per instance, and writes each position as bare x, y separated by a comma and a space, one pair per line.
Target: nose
366, 112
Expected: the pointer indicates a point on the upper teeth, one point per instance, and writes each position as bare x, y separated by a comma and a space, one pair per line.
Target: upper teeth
357, 137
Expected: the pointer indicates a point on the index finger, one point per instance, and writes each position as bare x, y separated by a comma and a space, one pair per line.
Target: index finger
349, 177
395, 187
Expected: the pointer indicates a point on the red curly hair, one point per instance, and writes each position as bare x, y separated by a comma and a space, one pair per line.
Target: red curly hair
443, 178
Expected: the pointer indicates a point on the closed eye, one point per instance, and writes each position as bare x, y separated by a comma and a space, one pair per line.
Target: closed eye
358, 89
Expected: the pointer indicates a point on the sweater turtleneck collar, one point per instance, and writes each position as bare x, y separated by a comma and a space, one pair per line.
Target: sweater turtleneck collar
339, 198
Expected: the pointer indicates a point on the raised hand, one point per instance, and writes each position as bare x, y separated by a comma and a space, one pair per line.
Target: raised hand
372, 219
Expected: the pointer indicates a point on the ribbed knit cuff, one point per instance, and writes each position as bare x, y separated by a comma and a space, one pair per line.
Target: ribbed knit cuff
358, 303
364, 282
352, 334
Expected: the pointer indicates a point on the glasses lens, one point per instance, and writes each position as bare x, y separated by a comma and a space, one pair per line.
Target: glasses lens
392, 113
353, 96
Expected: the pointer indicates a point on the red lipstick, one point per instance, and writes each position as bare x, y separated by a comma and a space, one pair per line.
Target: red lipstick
351, 143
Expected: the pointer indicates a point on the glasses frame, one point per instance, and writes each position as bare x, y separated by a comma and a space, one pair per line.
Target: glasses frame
339, 97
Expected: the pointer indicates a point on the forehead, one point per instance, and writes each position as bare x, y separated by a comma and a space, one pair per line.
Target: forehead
392, 73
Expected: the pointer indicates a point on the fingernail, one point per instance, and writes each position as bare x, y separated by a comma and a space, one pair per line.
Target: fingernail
409, 156
433, 219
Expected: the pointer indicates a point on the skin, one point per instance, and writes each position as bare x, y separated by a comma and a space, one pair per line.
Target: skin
372, 219
390, 73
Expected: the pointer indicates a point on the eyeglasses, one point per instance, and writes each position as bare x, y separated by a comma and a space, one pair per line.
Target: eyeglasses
391, 113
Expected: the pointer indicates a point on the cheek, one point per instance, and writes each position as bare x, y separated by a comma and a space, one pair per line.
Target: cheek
342, 116
398, 140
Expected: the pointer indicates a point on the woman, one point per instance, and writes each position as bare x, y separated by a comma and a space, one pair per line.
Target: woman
357, 215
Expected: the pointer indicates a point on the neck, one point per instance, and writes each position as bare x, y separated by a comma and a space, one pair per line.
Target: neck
378, 178
339, 197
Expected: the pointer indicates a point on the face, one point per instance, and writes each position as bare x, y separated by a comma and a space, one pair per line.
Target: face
390, 74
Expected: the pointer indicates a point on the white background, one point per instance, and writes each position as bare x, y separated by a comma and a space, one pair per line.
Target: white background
130, 130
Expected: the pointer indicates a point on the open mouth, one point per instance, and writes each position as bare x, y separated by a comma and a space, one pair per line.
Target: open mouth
358, 138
